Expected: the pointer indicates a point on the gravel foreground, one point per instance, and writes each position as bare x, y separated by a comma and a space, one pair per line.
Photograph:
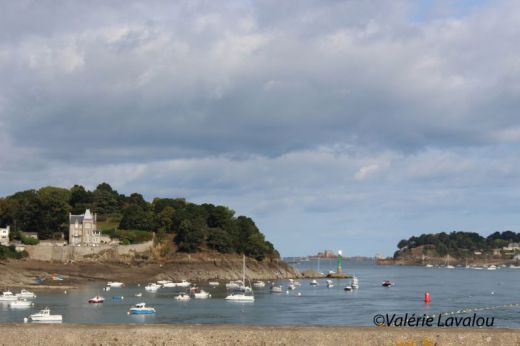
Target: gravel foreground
81, 334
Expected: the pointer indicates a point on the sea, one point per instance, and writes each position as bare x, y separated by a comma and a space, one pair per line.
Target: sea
460, 292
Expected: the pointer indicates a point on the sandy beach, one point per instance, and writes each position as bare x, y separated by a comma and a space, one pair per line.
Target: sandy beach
71, 334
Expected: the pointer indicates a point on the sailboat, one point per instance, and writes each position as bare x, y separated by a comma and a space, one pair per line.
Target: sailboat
245, 295
448, 266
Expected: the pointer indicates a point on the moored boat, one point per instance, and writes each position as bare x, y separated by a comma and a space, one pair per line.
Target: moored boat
201, 295
152, 287
259, 284
276, 289
8, 296
330, 284
45, 316
21, 303
114, 284
96, 300
141, 309
314, 283
387, 283
214, 283
182, 296
26, 294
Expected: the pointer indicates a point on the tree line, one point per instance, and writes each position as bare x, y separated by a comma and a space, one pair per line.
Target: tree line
196, 227
460, 243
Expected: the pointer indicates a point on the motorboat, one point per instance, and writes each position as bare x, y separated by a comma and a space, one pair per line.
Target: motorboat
169, 285
355, 282
429, 266
182, 296
21, 303
139, 294
330, 284
348, 288
259, 284
449, 266
96, 300
201, 295
152, 287
291, 287
8, 296
141, 309
297, 283
492, 267
114, 284
234, 285
276, 289
246, 293
214, 283
314, 283
183, 283
45, 316
26, 294
163, 282
387, 283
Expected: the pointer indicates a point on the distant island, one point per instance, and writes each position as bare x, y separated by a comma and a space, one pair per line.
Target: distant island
458, 248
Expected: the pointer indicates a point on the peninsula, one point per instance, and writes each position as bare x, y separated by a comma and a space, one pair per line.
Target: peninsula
79, 235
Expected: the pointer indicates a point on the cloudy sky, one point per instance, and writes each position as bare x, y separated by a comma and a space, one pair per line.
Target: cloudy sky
334, 124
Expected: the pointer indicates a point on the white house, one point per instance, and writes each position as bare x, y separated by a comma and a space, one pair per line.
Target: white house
4, 236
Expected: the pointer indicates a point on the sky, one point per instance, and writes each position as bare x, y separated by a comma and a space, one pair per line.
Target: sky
333, 124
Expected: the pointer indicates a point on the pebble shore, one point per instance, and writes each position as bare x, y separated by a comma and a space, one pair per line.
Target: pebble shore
76, 334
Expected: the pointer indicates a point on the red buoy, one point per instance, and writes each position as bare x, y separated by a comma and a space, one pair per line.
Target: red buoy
427, 297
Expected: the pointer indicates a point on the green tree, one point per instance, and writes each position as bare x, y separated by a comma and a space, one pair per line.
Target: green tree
188, 238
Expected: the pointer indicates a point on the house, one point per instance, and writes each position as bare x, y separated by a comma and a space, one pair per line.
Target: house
512, 247
4, 236
83, 230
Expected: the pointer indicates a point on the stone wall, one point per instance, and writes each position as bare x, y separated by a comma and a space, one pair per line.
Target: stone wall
52, 252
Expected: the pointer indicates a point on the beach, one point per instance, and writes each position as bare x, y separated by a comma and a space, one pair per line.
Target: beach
81, 334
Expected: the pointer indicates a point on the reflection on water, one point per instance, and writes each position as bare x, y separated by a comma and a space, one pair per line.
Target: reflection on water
450, 290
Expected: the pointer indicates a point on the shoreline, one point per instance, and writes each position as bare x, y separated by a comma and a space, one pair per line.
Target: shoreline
164, 334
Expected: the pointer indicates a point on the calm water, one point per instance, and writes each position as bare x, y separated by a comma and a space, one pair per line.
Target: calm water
450, 290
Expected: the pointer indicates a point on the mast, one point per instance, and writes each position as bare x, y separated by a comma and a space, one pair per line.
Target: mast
244, 269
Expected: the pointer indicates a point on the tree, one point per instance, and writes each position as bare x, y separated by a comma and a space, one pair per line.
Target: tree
219, 240
134, 217
188, 238
164, 219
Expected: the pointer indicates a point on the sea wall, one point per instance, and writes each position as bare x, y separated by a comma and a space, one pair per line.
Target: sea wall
70, 334
56, 253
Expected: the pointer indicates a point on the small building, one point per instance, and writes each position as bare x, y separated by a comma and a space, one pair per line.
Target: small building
83, 230
4, 236
512, 247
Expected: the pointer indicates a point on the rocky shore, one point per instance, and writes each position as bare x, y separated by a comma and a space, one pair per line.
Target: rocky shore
195, 267
74, 334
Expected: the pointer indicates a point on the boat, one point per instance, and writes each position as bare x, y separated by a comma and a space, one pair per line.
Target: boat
214, 283
141, 309
448, 266
163, 282
201, 295
8, 296
45, 316
276, 289
169, 284
348, 288
314, 283
297, 283
429, 266
182, 296
259, 284
291, 287
330, 284
183, 283
355, 283
118, 298
96, 300
21, 303
139, 294
387, 283
492, 267
512, 266
114, 284
246, 293
25, 294
152, 287
234, 285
